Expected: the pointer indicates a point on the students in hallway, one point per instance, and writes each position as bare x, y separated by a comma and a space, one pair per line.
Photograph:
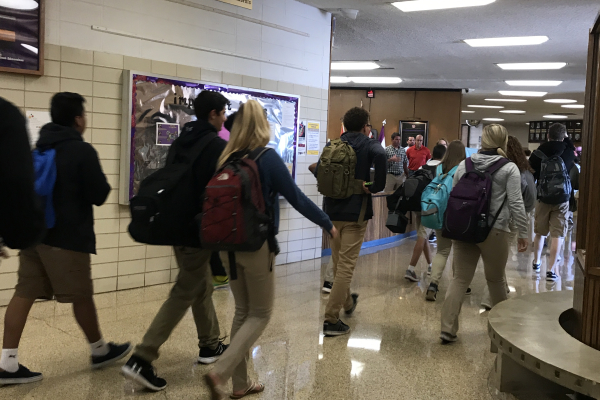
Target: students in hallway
418, 155
552, 204
506, 202
397, 164
454, 156
253, 290
60, 266
350, 217
422, 244
194, 285
410, 142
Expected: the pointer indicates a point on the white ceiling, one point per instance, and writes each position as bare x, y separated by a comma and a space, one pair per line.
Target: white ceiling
425, 49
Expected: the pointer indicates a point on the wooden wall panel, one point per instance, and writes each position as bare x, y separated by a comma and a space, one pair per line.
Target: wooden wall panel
440, 109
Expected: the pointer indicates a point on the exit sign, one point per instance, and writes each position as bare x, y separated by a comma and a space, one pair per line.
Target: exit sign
371, 94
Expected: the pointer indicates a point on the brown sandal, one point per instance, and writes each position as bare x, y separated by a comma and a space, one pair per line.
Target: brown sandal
253, 389
212, 383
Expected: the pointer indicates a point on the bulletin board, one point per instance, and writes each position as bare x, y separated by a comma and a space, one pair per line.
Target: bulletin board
155, 108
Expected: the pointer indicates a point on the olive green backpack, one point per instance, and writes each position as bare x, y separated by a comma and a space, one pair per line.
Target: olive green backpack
335, 175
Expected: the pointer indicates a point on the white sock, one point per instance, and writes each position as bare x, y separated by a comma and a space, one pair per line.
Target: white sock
100, 348
9, 361
429, 266
411, 268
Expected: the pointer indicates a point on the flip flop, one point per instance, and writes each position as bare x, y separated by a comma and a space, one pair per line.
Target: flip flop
255, 388
215, 392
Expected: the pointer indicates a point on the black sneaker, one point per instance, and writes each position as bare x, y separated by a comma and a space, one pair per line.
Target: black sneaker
209, 356
142, 372
551, 276
22, 375
448, 338
432, 237
116, 352
355, 302
536, 267
432, 291
337, 329
327, 287
468, 292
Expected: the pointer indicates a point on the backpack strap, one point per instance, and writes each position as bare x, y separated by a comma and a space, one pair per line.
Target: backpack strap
497, 165
257, 152
469, 166
541, 155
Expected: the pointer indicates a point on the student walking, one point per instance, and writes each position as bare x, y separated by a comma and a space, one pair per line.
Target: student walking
194, 285
251, 272
504, 201
444, 176
60, 266
551, 163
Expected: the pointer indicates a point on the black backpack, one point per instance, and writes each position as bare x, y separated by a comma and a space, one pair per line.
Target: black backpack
554, 184
408, 196
163, 211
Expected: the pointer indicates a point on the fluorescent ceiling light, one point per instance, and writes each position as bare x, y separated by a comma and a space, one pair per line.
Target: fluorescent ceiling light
353, 65
508, 100
560, 101
506, 41
493, 119
522, 93
532, 66
424, 5
534, 83
19, 4
479, 106
375, 79
468, 112
339, 79
573, 106
512, 111
555, 116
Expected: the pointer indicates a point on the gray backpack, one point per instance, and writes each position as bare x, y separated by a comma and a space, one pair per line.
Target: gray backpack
554, 184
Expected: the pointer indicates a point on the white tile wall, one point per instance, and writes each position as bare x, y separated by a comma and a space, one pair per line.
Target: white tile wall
91, 63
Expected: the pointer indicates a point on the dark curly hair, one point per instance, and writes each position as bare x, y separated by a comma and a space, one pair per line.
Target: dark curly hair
516, 154
355, 119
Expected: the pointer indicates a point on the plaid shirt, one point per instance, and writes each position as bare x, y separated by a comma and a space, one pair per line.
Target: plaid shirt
395, 168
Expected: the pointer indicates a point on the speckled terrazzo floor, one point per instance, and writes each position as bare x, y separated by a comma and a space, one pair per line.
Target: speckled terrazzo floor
393, 351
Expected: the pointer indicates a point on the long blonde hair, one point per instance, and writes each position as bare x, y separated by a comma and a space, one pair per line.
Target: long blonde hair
495, 137
454, 155
250, 130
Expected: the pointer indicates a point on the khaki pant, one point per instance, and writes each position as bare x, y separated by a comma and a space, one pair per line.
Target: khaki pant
253, 291
494, 252
329, 271
551, 218
345, 250
193, 288
444, 245
393, 182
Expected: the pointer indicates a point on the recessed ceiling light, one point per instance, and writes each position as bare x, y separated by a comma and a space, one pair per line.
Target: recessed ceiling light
480, 106
534, 83
560, 101
555, 116
493, 119
512, 111
353, 65
531, 66
424, 5
375, 79
468, 112
508, 100
522, 93
506, 41
339, 79
573, 106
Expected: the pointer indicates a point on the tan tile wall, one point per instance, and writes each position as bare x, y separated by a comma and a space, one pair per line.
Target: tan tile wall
121, 263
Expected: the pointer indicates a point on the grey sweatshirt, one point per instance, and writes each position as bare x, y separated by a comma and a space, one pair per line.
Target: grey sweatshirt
506, 182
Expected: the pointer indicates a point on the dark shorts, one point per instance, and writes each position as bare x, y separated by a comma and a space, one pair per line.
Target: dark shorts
46, 272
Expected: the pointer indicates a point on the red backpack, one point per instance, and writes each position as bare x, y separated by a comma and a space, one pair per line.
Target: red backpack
234, 216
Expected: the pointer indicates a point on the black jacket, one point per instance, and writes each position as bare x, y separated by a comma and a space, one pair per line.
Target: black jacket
80, 184
21, 218
205, 165
564, 148
368, 152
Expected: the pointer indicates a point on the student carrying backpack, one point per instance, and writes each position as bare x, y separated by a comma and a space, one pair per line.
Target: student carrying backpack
554, 183
435, 198
337, 166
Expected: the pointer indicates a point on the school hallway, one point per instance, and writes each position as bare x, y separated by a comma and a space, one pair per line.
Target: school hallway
393, 351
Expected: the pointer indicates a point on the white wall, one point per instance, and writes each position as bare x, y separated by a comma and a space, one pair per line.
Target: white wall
68, 23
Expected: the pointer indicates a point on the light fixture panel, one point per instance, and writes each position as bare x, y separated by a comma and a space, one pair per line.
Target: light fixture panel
522, 93
532, 66
507, 41
427, 5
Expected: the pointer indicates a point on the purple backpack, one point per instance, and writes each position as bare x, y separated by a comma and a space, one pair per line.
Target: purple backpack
467, 214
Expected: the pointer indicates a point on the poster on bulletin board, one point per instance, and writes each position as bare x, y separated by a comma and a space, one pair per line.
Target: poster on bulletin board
157, 107
312, 138
240, 3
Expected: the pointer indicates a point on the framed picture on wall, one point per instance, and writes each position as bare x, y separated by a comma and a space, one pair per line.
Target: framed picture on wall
413, 128
22, 36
